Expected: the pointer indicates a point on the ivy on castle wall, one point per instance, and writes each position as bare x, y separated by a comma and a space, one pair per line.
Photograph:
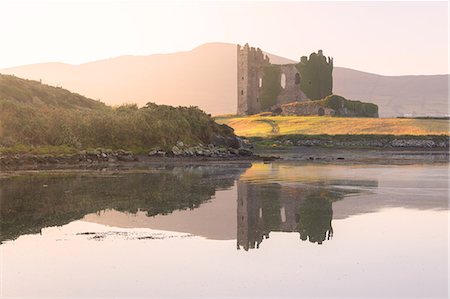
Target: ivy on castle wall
316, 76
271, 86
342, 106
316, 80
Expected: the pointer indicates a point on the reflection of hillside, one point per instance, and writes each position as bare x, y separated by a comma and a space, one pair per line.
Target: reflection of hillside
263, 208
32, 202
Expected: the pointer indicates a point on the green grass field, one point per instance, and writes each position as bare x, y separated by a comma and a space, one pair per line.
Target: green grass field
265, 126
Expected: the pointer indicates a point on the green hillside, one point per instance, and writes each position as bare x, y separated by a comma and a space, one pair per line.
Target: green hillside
36, 115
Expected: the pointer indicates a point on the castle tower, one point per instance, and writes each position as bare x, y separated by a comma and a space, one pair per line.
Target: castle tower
250, 67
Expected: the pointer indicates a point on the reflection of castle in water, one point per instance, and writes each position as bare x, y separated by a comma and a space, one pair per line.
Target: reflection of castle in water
272, 207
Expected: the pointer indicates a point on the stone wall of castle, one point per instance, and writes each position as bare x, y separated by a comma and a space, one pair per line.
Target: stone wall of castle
291, 92
304, 109
332, 105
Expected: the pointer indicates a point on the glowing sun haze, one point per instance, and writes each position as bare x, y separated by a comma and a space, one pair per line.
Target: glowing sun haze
390, 38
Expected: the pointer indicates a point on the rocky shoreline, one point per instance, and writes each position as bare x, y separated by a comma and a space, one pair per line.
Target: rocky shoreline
441, 142
288, 149
381, 156
210, 151
101, 157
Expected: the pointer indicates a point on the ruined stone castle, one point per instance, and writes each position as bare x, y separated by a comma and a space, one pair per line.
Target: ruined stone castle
262, 85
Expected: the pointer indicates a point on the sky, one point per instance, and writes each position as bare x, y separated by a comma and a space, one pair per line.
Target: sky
388, 38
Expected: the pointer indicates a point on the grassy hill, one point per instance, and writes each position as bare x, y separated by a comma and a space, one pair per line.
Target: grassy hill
265, 126
34, 93
38, 115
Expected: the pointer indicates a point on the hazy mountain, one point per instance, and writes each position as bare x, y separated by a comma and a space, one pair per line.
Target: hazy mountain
395, 95
206, 77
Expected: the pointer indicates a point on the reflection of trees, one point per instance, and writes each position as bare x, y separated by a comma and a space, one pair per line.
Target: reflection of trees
315, 217
31, 202
263, 208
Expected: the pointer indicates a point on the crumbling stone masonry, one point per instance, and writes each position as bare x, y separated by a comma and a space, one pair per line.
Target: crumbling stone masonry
262, 85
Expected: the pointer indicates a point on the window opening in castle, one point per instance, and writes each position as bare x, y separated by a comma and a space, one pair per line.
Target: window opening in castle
242, 92
297, 78
283, 80
283, 214
260, 82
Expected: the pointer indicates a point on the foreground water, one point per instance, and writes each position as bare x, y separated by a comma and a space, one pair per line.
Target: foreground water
269, 230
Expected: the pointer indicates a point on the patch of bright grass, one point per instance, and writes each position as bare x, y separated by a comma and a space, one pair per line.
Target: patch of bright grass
266, 126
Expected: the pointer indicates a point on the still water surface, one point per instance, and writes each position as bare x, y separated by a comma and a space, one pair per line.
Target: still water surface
271, 230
